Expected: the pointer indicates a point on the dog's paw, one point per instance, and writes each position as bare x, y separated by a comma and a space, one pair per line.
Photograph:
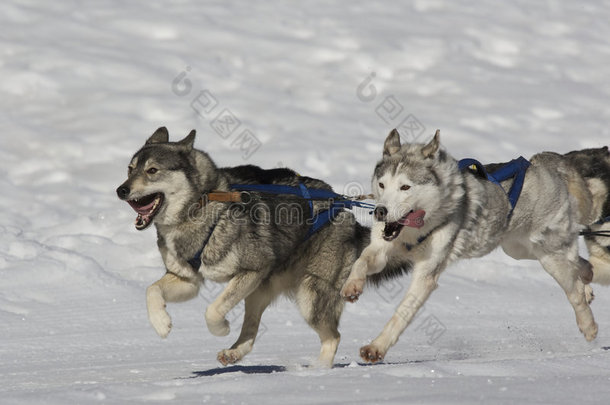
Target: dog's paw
590, 332
352, 289
228, 356
589, 295
217, 325
161, 322
371, 354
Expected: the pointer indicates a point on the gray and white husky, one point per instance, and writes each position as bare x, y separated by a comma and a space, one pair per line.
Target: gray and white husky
430, 213
261, 249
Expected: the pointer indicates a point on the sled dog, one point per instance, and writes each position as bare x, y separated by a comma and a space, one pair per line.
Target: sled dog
430, 213
261, 248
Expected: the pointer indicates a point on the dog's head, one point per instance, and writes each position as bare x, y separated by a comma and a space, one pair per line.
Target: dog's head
408, 183
165, 178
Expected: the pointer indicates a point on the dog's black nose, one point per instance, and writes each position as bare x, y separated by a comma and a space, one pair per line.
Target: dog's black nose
381, 213
122, 192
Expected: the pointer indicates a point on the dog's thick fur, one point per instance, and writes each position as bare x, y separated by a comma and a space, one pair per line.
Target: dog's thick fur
258, 248
592, 191
467, 216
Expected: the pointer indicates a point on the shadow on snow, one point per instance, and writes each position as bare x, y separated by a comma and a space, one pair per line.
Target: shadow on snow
261, 369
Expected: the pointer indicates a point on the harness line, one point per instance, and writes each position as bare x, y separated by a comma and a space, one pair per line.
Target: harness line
337, 203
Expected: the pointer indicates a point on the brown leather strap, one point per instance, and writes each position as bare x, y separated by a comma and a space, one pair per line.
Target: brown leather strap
224, 196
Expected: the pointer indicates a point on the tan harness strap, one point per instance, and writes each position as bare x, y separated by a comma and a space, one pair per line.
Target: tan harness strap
224, 196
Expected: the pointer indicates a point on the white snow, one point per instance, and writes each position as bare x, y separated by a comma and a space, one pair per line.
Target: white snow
319, 84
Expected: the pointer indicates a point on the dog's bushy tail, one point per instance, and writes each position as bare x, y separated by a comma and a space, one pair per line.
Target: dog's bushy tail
592, 192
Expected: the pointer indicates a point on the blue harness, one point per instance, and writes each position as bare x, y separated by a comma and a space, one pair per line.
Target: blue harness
337, 204
603, 221
515, 169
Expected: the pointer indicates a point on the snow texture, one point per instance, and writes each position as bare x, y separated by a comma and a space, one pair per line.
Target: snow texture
315, 86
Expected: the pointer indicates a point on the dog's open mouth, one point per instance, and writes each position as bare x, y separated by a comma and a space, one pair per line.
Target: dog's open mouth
414, 219
392, 230
146, 207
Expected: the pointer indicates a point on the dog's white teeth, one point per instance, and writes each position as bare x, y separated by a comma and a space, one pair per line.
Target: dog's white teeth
138, 220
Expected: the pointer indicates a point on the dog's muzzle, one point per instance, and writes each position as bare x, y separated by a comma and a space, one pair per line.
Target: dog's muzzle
146, 207
413, 219
381, 213
123, 192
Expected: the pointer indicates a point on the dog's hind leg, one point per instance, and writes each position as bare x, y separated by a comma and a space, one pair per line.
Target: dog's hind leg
238, 288
256, 303
599, 255
170, 288
329, 338
589, 295
573, 273
422, 285
321, 306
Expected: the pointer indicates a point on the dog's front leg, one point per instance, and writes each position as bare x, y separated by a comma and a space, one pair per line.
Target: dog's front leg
372, 260
238, 288
170, 288
424, 282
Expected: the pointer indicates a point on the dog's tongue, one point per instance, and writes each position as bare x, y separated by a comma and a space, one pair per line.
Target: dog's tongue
414, 219
143, 209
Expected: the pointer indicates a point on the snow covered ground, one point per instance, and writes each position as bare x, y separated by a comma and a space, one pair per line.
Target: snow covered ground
315, 87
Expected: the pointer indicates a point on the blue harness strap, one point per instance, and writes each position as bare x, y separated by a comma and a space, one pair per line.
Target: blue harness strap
514, 169
195, 261
603, 221
314, 193
322, 218
338, 202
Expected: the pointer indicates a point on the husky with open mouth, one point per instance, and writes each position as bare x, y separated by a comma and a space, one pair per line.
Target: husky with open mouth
431, 214
261, 248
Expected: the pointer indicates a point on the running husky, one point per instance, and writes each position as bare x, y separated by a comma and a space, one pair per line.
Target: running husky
260, 248
430, 213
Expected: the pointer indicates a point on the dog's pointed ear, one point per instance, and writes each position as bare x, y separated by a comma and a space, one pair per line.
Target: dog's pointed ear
392, 143
430, 149
160, 136
188, 141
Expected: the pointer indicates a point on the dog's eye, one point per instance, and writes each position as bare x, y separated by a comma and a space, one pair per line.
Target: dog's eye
152, 170
129, 170
381, 186
404, 187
